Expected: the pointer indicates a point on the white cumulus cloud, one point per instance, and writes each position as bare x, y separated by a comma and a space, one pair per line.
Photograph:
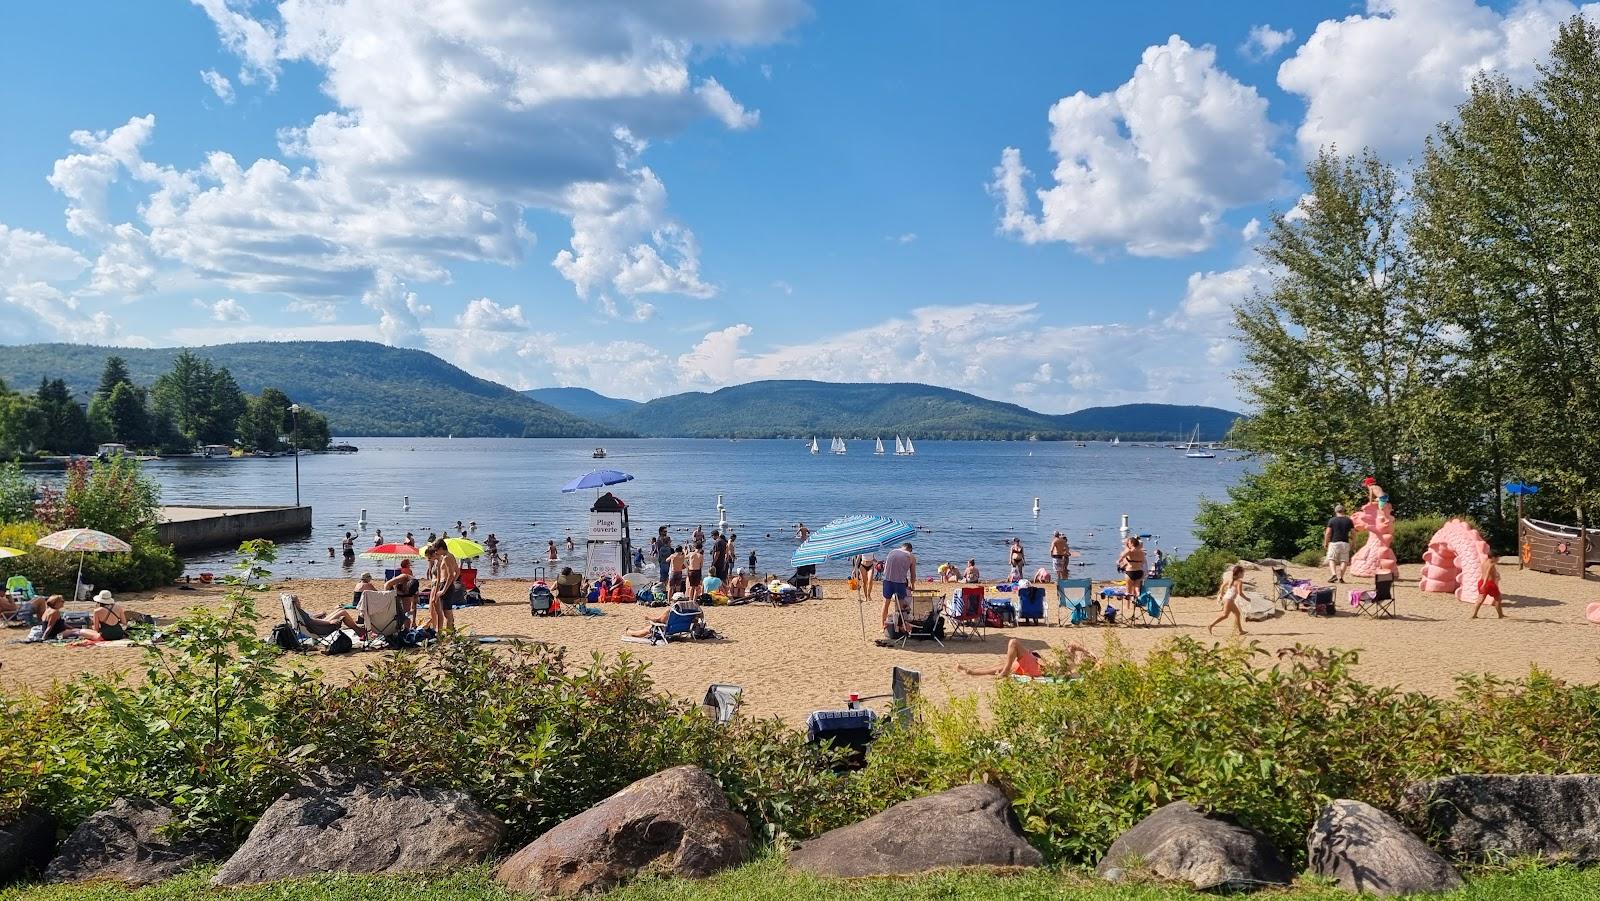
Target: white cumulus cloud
227, 310
1265, 41
219, 84
1385, 78
1150, 166
484, 314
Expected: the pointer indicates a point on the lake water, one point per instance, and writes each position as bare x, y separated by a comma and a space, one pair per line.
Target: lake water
968, 497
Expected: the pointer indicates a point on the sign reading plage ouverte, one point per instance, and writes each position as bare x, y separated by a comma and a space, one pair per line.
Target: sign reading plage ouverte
605, 526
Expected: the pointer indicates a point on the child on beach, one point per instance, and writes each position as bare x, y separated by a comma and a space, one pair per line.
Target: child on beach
1231, 594
1489, 586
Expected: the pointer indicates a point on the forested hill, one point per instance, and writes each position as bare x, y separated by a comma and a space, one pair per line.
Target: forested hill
583, 402
868, 410
362, 387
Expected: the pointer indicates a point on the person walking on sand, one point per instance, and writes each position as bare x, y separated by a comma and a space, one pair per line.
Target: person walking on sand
661, 546
866, 574
1489, 585
1132, 565
1231, 595
899, 574
1336, 542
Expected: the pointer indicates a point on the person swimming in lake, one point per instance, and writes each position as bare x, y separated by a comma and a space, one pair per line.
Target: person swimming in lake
552, 553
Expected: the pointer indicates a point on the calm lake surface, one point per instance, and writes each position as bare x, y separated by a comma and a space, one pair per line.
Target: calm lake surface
968, 497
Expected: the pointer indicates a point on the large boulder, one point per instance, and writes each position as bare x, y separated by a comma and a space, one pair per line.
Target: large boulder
1206, 850
124, 842
675, 823
1366, 850
362, 822
26, 844
1519, 816
969, 826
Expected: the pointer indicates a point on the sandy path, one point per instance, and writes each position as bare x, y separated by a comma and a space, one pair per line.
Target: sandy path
811, 655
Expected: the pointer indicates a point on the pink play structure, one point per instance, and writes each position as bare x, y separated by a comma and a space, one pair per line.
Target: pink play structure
1453, 561
1376, 555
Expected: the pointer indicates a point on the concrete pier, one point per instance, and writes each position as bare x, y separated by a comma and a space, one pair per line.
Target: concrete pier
189, 527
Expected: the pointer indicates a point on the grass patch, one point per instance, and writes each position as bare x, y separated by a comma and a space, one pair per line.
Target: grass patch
767, 879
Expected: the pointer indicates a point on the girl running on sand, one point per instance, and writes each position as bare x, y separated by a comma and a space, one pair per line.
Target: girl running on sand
1230, 595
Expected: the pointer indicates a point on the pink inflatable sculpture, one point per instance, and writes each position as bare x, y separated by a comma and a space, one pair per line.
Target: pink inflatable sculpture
1376, 555
1454, 561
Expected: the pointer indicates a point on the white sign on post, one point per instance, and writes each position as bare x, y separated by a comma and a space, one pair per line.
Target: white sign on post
605, 527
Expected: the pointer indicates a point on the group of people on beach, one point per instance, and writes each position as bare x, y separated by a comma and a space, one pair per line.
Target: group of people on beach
681, 566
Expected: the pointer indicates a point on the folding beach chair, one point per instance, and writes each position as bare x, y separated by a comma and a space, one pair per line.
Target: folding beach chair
1075, 598
19, 588
966, 612
1030, 604
381, 614
924, 625
302, 623
904, 685
679, 625
722, 701
850, 729
1154, 604
1378, 603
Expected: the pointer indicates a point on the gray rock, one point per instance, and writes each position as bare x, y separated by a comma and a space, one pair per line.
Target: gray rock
1520, 816
1206, 850
1366, 850
26, 844
362, 822
969, 826
675, 823
124, 842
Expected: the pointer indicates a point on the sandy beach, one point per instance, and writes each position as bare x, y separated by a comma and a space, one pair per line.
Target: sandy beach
810, 656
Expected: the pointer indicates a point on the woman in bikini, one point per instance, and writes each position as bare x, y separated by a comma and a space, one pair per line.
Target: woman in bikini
1132, 565
1230, 596
866, 572
1489, 586
1017, 556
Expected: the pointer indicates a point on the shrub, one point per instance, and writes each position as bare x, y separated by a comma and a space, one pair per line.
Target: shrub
52, 572
1278, 511
1411, 537
1200, 573
1313, 557
1219, 726
112, 496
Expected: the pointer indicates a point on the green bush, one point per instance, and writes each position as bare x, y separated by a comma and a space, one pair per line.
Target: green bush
1200, 573
1224, 728
151, 564
1411, 537
1313, 557
1277, 511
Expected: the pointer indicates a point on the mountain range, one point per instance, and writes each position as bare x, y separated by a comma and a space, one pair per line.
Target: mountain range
365, 388
770, 409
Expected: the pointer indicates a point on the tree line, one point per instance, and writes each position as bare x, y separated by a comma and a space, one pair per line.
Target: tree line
195, 403
1439, 329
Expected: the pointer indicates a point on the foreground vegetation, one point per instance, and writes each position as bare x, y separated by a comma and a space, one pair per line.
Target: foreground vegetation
768, 880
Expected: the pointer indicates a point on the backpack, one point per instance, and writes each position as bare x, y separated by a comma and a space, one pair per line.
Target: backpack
339, 643
1080, 615
285, 637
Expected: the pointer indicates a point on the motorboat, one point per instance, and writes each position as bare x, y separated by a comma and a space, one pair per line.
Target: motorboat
599, 453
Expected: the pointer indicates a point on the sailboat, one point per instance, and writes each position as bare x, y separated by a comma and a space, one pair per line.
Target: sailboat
838, 446
911, 449
1194, 451
877, 449
814, 449
1115, 441
899, 447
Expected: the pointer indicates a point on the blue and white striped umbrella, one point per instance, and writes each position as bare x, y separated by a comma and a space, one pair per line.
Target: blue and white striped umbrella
850, 536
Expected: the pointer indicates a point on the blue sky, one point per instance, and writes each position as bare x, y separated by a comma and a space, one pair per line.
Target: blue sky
1049, 203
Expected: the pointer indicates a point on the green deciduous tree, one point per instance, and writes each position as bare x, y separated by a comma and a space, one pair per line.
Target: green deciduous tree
265, 420
1507, 235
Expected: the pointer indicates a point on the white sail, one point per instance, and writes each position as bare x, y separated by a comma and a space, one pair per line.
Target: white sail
899, 447
910, 448
838, 445
1115, 441
814, 448
877, 449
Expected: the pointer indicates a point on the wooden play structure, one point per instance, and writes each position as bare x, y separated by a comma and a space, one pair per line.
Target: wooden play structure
1550, 547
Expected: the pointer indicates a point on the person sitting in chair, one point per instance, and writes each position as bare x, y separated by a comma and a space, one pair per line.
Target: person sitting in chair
406, 588
569, 585
681, 603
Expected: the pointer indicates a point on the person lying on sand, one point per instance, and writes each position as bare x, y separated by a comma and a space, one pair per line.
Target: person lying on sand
1020, 661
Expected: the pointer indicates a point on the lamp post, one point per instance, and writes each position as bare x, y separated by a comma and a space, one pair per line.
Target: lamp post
294, 445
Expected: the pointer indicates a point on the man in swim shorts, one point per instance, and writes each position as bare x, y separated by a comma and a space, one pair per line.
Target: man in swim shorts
899, 573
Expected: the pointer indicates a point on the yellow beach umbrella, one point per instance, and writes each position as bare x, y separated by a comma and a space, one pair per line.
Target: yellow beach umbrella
10, 552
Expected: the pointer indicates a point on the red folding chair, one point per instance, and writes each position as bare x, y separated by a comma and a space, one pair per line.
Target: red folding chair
966, 613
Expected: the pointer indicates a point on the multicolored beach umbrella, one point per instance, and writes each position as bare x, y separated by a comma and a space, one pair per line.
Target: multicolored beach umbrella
84, 541
849, 536
391, 552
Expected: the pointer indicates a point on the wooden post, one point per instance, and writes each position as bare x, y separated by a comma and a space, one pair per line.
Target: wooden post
1520, 564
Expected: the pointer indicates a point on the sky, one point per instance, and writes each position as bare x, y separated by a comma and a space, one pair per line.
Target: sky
1053, 204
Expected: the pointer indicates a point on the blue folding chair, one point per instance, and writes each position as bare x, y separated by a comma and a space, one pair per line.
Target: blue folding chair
679, 625
1074, 598
1154, 603
1030, 604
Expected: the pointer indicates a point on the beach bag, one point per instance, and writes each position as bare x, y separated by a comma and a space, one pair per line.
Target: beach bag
1150, 604
285, 637
1080, 615
339, 643
1322, 602
1109, 614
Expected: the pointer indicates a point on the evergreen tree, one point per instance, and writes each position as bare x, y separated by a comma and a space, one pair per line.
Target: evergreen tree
65, 424
115, 373
181, 396
127, 417
225, 405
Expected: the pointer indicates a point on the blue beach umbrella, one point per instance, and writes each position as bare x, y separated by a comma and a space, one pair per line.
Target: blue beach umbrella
596, 479
850, 536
